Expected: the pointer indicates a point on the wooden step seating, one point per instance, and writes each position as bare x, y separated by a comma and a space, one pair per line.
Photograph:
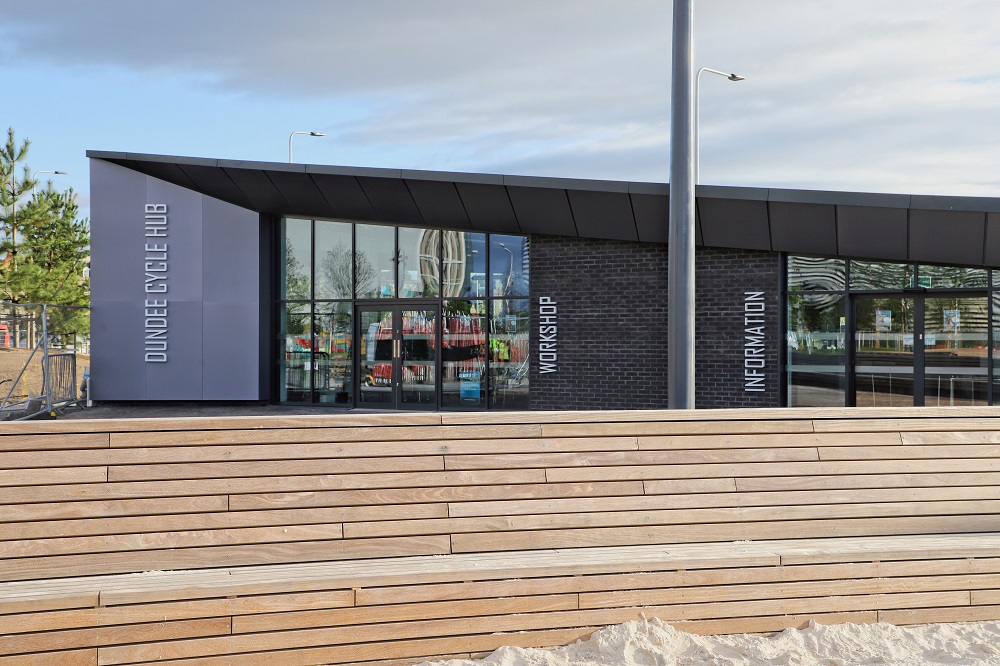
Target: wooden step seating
397, 538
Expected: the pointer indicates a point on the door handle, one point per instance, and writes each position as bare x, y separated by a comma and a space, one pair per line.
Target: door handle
397, 348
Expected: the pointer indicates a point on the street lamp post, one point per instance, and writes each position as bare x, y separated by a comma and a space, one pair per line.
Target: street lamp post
680, 248
57, 173
697, 98
290, 141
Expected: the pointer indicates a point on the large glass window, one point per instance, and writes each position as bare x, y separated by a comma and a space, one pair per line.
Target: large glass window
891, 333
296, 255
508, 342
952, 277
508, 266
463, 354
375, 261
419, 262
873, 275
334, 278
816, 274
450, 327
464, 264
816, 339
332, 353
295, 352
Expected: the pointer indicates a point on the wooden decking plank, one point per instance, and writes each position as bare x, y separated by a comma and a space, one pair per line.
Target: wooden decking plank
97, 440
951, 437
652, 500
737, 440
906, 424
959, 613
41, 620
460, 608
792, 469
622, 536
862, 480
68, 639
344, 433
909, 452
219, 556
700, 516
647, 428
417, 494
87, 657
626, 458
213, 520
114, 543
56, 511
246, 469
766, 624
722, 590
256, 485
47, 477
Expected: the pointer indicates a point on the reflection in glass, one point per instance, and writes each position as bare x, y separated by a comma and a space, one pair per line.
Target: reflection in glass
946, 277
375, 349
816, 274
418, 356
881, 275
508, 265
884, 352
375, 261
296, 269
463, 354
816, 350
333, 260
294, 352
332, 353
508, 380
955, 351
419, 262
464, 262
995, 351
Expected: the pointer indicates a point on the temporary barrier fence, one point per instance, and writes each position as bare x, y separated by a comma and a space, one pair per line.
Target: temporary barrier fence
41, 346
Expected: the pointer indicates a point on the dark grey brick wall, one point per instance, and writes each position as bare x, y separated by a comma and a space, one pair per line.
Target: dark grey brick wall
612, 316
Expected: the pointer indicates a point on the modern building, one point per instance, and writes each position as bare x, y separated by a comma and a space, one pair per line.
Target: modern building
222, 280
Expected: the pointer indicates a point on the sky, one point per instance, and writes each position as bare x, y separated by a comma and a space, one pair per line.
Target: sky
895, 96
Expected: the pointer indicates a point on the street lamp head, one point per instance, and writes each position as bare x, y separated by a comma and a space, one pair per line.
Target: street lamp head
61, 173
736, 77
321, 134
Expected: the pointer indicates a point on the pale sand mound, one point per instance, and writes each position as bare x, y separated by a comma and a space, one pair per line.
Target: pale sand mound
655, 643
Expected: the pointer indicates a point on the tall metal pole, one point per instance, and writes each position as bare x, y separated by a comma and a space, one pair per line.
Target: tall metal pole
680, 252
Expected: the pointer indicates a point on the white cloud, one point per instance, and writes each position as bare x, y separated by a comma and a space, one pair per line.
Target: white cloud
895, 95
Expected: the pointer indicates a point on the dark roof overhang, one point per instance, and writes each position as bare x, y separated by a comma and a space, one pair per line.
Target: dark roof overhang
896, 227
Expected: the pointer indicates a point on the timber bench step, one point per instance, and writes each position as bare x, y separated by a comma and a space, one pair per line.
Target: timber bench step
397, 538
421, 607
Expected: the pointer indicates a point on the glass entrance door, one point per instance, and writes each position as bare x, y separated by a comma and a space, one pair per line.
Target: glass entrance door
397, 356
921, 350
956, 351
884, 357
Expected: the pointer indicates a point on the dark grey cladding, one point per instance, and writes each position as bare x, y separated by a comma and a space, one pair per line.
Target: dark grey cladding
892, 227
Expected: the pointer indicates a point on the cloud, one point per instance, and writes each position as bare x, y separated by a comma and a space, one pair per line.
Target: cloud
896, 95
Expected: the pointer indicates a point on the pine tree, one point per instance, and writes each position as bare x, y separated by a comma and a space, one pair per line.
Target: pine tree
44, 246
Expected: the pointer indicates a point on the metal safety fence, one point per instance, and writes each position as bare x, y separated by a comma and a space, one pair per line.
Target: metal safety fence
44, 351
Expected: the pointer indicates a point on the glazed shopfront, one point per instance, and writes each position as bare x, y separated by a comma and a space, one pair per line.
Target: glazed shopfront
393, 317
863, 333
353, 288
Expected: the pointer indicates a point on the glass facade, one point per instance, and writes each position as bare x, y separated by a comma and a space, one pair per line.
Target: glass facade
865, 333
402, 317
